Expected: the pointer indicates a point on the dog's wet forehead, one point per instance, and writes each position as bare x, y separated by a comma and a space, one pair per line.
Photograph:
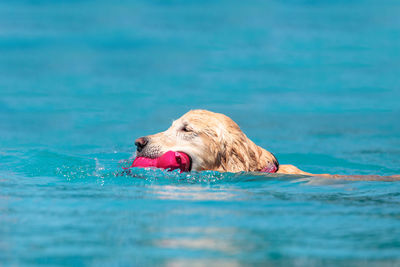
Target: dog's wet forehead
181, 124
194, 122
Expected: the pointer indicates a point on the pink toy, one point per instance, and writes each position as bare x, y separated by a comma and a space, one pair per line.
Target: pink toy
270, 169
170, 160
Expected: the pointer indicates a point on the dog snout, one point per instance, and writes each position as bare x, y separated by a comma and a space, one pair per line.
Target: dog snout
141, 142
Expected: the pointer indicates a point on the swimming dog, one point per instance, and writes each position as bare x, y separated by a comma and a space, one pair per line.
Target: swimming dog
212, 141
204, 140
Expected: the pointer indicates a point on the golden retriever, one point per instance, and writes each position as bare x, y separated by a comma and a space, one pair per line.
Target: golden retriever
215, 142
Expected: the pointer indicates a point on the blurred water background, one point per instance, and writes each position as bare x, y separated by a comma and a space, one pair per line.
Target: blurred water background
314, 82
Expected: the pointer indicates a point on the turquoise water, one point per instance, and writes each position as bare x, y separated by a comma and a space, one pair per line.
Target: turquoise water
314, 82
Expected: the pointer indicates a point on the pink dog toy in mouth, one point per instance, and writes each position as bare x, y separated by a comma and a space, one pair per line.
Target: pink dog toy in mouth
170, 160
173, 160
272, 168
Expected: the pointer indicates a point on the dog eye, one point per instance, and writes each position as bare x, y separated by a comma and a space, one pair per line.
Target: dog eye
185, 129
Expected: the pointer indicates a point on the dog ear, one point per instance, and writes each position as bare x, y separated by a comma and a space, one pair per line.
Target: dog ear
241, 154
234, 154
230, 150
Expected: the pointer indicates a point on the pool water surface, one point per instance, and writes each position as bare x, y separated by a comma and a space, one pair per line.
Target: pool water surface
314, 82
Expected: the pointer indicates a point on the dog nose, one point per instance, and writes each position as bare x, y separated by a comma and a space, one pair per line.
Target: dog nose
141, 142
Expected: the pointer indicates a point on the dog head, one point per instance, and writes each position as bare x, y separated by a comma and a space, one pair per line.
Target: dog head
213, 141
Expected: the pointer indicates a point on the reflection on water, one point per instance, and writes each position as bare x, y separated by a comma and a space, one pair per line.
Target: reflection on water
192, 193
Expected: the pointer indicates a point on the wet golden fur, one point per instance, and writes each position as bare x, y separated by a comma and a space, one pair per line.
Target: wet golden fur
215, 142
